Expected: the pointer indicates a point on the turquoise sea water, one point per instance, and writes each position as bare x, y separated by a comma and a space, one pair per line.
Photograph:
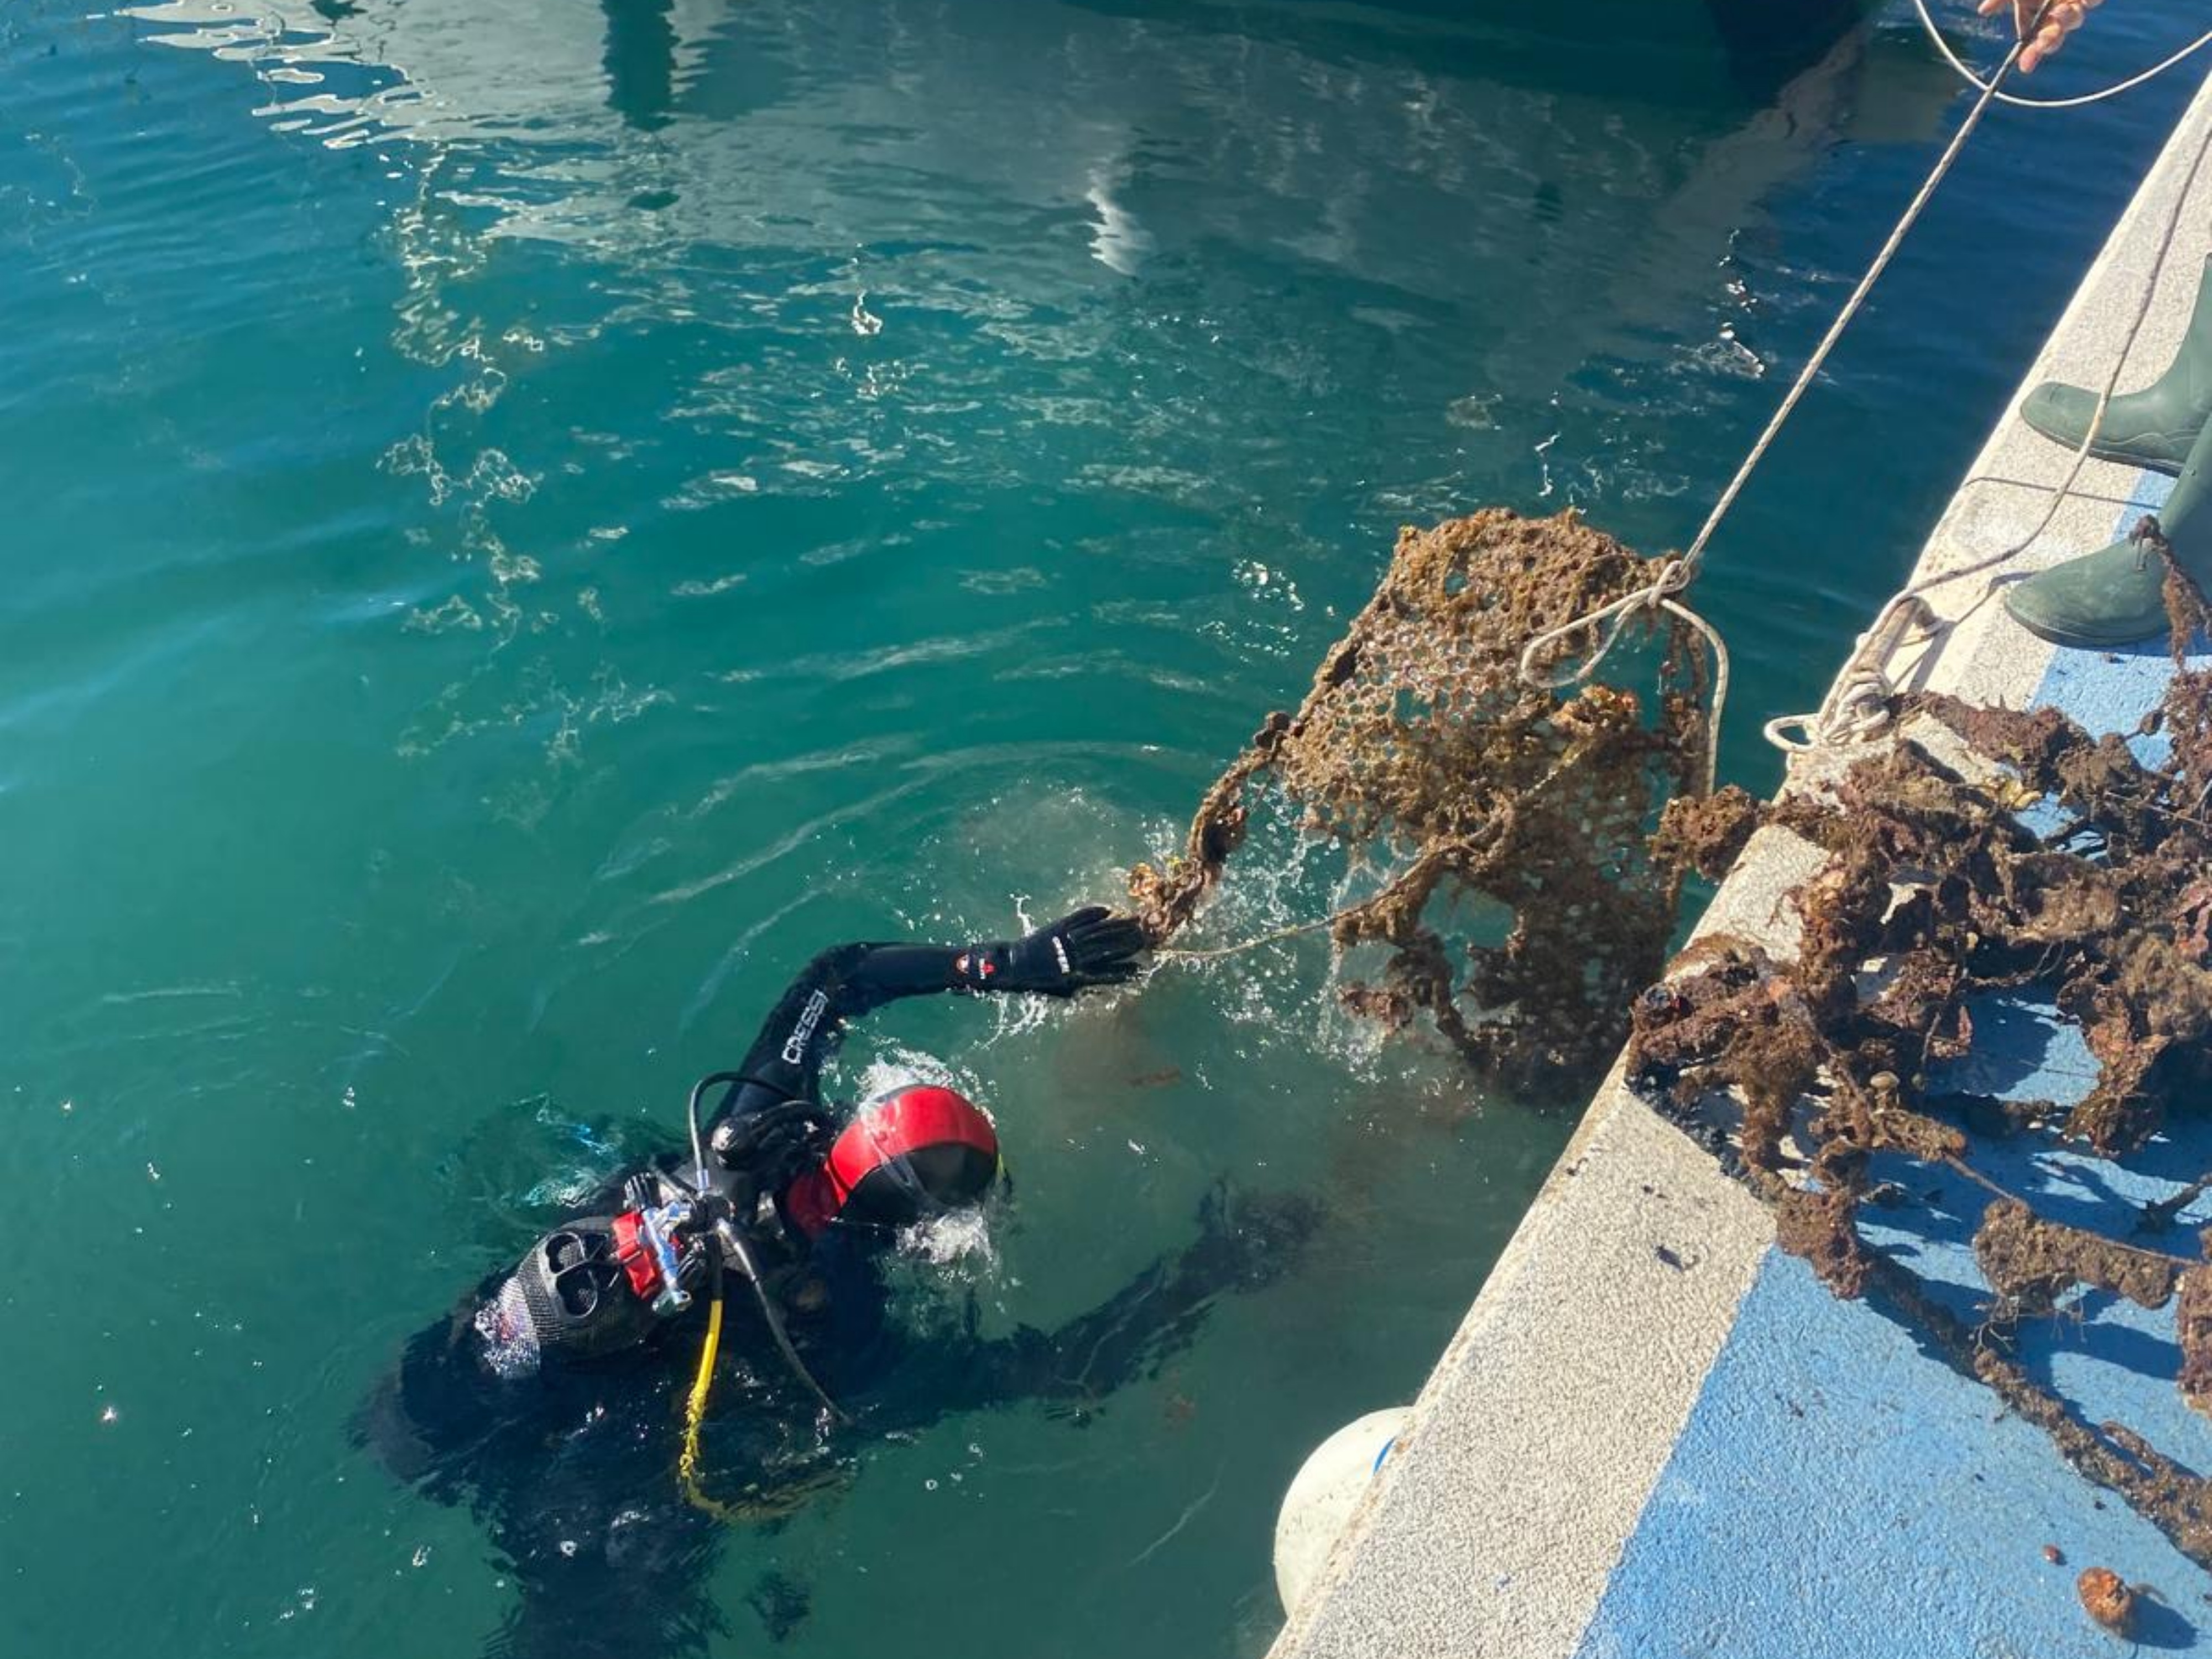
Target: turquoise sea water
525, 521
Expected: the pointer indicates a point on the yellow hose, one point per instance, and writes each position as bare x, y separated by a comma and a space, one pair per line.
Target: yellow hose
756, 1505
695, 1416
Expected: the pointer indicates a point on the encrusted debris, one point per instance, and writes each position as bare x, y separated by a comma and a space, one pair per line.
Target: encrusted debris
1422, 749
2031, 1262
2192, 1318
2106, 1598
1935, 891
1706, 832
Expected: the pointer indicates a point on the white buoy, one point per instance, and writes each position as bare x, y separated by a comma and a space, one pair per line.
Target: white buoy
1320, 1500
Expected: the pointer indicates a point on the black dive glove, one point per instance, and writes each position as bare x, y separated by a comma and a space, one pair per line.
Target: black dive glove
1093, 946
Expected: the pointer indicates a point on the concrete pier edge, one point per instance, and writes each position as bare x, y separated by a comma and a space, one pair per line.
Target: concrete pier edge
1619, 1452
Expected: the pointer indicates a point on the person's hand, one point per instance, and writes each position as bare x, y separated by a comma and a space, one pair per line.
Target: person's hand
2059, 20
1093, 946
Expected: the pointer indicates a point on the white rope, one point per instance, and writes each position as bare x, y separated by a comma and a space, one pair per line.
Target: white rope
1719, 648
1658, 595
1673, 576
1812, 369
1858, 712
1676, 574
1856, 708
1973, 79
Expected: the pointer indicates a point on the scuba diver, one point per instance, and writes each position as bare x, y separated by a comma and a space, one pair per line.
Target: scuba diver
555, 1403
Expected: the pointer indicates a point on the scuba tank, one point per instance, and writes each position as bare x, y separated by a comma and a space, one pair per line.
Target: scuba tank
600, 1285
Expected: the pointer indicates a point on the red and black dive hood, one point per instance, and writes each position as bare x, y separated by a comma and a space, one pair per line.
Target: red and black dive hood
905, 1156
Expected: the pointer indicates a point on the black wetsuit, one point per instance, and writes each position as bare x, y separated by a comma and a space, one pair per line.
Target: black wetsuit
573, 1469
842, 984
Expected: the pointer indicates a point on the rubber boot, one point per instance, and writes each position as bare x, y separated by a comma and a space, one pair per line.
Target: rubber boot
2153, 428
2118, 596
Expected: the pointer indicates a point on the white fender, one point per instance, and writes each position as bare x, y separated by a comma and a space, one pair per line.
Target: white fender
1322, 1497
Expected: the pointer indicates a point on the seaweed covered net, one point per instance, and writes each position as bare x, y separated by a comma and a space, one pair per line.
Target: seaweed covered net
1934, 896
1522, 814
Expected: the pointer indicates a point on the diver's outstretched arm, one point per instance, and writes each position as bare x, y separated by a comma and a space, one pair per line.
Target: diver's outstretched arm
1246, 1243
1093, 946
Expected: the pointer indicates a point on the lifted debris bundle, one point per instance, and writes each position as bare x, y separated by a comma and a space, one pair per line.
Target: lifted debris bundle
1423, 750
1936, 892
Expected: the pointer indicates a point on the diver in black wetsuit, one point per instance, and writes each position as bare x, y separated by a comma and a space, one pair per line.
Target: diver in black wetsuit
550, 1400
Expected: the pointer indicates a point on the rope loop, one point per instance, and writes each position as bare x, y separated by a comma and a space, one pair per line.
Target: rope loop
2098, 96
1672, 576
1778, 730
1857, 709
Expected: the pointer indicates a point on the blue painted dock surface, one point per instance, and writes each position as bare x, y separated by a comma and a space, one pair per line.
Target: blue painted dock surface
1840, 1490
1622, 1456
